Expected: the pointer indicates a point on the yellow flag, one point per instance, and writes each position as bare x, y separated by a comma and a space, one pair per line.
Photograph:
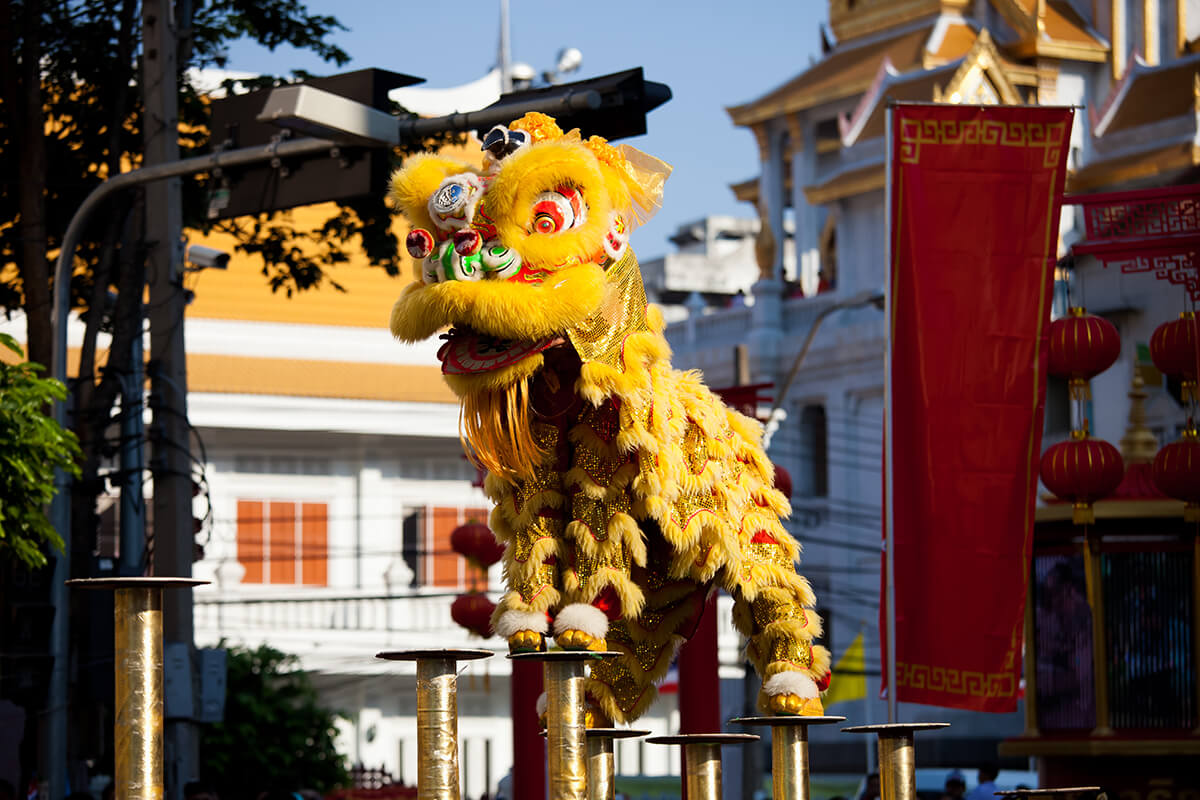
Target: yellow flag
849, 678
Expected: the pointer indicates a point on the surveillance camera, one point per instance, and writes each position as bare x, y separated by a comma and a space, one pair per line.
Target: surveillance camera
569, 60
207, 257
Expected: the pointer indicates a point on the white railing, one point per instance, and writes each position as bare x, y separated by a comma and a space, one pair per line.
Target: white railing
409, 613
418, 615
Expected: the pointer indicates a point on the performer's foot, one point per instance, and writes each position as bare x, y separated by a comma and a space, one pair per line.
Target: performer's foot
526, 642
793, 693
796, 706
575, 639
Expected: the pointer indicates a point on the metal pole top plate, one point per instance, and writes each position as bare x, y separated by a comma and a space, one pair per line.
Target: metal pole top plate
152, 582
614, 733
565, 655
1047, 792
896, 728
705, 738
434, 655
785, 720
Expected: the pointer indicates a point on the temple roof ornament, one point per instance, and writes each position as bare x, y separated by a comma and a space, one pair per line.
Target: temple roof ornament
1052, 29
853, 19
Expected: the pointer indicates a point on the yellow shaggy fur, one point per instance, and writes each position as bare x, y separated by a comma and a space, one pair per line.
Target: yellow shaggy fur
617, 480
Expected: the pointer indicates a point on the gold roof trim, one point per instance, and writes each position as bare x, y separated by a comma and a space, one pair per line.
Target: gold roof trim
846, 184
1147, 94
845, 72
982, 56
1147, 164
1050, 29
854, 19
747, 191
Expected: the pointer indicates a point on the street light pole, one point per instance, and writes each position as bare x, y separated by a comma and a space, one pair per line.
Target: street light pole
777, 415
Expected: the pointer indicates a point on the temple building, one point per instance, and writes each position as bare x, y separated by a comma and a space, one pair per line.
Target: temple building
1131, 70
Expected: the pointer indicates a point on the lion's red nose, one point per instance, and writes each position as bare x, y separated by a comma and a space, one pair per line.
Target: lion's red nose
467, 242
419, 243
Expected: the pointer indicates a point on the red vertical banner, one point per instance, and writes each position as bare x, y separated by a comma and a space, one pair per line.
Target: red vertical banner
975, 200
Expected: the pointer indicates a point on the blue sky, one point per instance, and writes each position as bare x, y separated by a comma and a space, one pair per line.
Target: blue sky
711, 54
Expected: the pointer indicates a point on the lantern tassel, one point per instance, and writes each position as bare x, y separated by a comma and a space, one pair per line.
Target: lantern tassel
1080, 389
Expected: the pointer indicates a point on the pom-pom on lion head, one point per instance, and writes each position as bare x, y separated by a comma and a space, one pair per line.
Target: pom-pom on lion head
529, 253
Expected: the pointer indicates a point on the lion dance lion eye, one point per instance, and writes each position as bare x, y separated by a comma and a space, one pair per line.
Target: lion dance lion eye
558, 210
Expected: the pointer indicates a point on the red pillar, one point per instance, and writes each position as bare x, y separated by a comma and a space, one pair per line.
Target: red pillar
699, 681
529, 748
699, 678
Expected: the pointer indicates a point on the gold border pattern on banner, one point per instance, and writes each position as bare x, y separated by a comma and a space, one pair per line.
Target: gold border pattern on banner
1045, 136
954, 681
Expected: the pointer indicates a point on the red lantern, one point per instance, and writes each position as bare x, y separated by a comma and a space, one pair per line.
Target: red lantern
473, 611
1082, 470
1173, 350
1177, 472
475, 542
1082, 346
783, 481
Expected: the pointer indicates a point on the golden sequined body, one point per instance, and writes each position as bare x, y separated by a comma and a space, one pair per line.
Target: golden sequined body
643, 502
618, 481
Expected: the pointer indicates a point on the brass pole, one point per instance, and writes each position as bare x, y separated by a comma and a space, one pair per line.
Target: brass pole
601, 767
138, 700
138, 687
601, 763
566, 729
1093, 572
897, 756
437, 718
437, 730
566, 718
789, 763
1031, 723
789, 752
897, 767
702, 760
702, 771
1196, 619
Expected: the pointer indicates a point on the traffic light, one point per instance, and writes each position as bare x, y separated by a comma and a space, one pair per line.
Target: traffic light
625, 99
613, 106
357, 172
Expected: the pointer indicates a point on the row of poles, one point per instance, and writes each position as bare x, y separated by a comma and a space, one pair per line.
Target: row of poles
581, 763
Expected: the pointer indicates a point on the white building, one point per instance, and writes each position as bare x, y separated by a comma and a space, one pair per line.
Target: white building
1128, 66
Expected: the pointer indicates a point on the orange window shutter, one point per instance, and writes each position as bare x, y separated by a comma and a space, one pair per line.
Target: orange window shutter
250, 552
281, 538
444, 561
314, 526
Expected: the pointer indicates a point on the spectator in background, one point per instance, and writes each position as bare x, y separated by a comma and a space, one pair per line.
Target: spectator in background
956, 786
987, 783
198, 790
871, 789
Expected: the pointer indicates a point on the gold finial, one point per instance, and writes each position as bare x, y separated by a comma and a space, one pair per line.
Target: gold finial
1139, 445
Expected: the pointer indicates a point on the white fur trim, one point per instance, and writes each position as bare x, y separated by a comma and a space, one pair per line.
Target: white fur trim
581, 617
796, 683
541, 704
513, 622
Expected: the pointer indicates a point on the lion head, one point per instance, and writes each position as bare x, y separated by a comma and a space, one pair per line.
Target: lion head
527, 254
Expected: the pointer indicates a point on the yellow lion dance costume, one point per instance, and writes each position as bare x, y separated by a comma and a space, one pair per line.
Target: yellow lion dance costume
624, 489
